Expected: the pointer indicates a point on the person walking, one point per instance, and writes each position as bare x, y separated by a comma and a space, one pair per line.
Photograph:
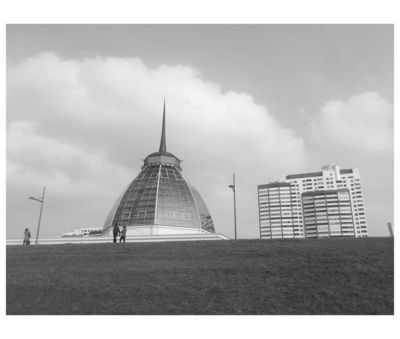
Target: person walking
27, 237
123, 234
116, 232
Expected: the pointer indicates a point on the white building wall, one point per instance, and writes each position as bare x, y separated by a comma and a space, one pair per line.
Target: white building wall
276, 213
330, 177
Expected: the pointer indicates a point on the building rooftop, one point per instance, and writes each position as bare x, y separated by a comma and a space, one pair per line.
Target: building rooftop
315, 174
274, 184
304, 175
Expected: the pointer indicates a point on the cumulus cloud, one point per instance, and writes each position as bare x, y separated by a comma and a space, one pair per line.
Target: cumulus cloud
363, 122
67, 169
78, 181
83, 126
358, 132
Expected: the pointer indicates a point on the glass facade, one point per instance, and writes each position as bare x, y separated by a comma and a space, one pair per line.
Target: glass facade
160, 195
205, 217
175, 203
137, 206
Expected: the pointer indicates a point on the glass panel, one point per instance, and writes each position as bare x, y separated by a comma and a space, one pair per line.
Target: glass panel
137, 205
205, 217
175, 203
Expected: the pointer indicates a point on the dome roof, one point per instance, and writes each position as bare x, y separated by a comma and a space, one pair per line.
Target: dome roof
162, 153
160, 195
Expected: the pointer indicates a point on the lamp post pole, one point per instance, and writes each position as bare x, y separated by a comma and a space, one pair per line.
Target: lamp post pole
390, 229
41, 200
233, 187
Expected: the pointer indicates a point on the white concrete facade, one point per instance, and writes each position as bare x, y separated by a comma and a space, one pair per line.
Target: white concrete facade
280, 203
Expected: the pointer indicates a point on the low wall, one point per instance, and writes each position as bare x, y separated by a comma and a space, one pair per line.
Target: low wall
108, 239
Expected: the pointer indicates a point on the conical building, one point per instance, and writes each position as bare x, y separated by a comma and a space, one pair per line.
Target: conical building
159, 200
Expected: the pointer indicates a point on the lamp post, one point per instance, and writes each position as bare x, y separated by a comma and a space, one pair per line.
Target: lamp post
233, 187
41, 200
390, 229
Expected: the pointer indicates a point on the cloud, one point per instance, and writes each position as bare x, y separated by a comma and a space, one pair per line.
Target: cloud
363, 122
358, 132
83, 126
78, 182
67, 169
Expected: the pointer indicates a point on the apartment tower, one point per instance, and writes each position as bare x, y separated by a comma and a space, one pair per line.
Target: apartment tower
316, 204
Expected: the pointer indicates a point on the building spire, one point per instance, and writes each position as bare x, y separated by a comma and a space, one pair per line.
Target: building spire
163, 143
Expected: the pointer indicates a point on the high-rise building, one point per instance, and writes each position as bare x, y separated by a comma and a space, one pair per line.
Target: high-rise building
278, 212
283, 205
327, 213
160, 200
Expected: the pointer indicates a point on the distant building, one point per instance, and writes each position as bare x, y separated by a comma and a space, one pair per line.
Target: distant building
313, 204
278, 211
84, 231
328, 214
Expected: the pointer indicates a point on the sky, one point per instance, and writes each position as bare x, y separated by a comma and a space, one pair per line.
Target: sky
84, 107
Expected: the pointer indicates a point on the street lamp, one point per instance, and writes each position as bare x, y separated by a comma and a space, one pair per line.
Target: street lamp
233, 187
41, 200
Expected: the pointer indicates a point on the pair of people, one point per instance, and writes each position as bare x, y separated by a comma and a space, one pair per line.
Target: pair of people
27, 237
116, 232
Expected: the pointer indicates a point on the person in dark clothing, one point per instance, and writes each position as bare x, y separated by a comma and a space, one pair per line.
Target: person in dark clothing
123, 234
27, 237
116, 232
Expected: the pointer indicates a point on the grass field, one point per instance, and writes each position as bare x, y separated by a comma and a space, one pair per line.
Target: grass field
327, 276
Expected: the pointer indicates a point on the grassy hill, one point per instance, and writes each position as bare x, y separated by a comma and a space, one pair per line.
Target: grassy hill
308, 276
